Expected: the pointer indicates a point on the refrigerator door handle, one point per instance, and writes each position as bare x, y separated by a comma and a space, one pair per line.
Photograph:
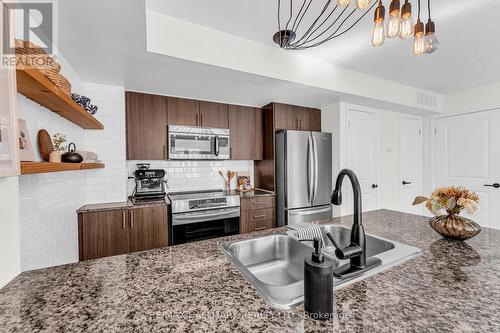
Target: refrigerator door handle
310, 176
316, 168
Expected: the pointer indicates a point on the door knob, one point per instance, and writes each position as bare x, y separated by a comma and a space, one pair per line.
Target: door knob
406, 183
495, 185
374, 186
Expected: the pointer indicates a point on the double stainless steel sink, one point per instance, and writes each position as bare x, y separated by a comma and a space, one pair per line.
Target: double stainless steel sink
274, 264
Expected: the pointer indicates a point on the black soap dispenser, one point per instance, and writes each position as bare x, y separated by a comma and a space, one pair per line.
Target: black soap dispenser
318, 284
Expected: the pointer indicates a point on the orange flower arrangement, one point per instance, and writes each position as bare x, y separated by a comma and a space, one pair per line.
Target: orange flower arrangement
451, 200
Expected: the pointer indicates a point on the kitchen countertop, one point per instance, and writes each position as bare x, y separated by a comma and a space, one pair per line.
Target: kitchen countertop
122, 204
253, 194
454, 286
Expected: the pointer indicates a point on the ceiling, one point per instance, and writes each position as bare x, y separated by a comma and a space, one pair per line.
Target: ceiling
466, 30
105, 42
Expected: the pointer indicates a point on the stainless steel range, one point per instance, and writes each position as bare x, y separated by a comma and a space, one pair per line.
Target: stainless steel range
201, 215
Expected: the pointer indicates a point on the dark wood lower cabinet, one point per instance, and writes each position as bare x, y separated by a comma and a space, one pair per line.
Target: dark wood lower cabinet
119, 231
103, 234
257, 214
148, 228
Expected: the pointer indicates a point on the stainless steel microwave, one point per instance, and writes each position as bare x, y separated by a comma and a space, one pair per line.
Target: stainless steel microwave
197, 143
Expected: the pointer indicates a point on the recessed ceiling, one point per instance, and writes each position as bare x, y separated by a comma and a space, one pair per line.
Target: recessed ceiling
468, 54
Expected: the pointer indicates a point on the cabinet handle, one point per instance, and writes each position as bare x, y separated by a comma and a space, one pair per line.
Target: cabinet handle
201, 119
260, 228
196, 119
297, 123
123, 219
258, 203
259, 216
131, 218
495, 185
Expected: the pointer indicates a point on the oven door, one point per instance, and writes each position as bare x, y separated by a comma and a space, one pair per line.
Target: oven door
195, 143
190, 227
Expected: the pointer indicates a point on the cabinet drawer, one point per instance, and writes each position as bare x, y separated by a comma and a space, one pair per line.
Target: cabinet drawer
256, 226
258, 202
259, 214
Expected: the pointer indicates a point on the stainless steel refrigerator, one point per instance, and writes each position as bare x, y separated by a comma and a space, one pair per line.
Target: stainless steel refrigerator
303, 176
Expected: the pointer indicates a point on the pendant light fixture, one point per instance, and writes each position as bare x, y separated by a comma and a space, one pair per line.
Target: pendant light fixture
393, 23
418, 35
336, 18
406, 22
362, 4
431, 42
378, 32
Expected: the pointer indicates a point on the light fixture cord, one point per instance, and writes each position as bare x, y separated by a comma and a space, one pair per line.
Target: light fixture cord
429, 8
279, 24
419, 10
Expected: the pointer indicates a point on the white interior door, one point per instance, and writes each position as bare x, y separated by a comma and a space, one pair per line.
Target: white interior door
468, 154
361, 154
411, 167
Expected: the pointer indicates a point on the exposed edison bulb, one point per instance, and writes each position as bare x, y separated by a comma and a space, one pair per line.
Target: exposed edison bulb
419, 45
362, 4
393, 26
431, 43
405, 27
378, 34
343, 3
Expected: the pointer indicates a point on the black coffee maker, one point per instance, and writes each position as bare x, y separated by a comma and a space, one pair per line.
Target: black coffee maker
149, 183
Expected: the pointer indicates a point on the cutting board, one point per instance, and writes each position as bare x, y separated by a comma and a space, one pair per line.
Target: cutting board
45, 144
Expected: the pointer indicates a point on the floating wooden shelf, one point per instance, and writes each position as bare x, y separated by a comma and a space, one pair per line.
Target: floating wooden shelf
29, 168
34, 85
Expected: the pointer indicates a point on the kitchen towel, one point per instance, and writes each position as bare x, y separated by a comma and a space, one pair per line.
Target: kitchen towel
306, 231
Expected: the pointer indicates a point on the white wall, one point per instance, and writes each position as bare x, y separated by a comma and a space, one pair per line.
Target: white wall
476, 99
108, 184
389, 160
194, 175
10, 260
333, 119
48, 202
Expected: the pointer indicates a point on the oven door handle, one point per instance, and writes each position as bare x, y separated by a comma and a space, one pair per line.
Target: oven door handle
216, 142
216, 214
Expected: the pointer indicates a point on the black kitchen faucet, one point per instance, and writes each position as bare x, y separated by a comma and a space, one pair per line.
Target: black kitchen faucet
356, 250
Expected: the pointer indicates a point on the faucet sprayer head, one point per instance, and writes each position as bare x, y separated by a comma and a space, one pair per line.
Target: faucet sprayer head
337, 197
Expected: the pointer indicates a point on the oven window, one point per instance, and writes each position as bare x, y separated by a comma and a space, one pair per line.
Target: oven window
205, 230
186, 144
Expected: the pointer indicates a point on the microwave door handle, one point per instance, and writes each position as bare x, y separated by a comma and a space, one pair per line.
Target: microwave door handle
216, 142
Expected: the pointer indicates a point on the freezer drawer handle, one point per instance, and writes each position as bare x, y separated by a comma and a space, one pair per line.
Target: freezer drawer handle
311, 212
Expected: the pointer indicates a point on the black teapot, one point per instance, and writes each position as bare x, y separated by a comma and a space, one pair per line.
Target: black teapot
71, 156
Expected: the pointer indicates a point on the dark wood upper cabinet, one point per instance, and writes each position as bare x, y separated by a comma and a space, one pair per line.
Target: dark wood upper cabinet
299, 118
245, 124
103, 234
185, 112
214, 115
285, 116
146, 118
309, 119
148, 228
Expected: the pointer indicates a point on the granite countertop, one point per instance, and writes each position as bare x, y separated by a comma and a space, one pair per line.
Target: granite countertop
255, 193
129, 204
453, 287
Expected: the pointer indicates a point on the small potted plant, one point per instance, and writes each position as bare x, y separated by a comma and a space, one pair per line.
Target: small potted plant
446, 203
58, 141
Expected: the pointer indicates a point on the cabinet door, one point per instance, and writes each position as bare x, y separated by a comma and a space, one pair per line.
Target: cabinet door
146, 117
214, 115
245, 124
286, 116
183, 112
103, 234
309, 119
148, 228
